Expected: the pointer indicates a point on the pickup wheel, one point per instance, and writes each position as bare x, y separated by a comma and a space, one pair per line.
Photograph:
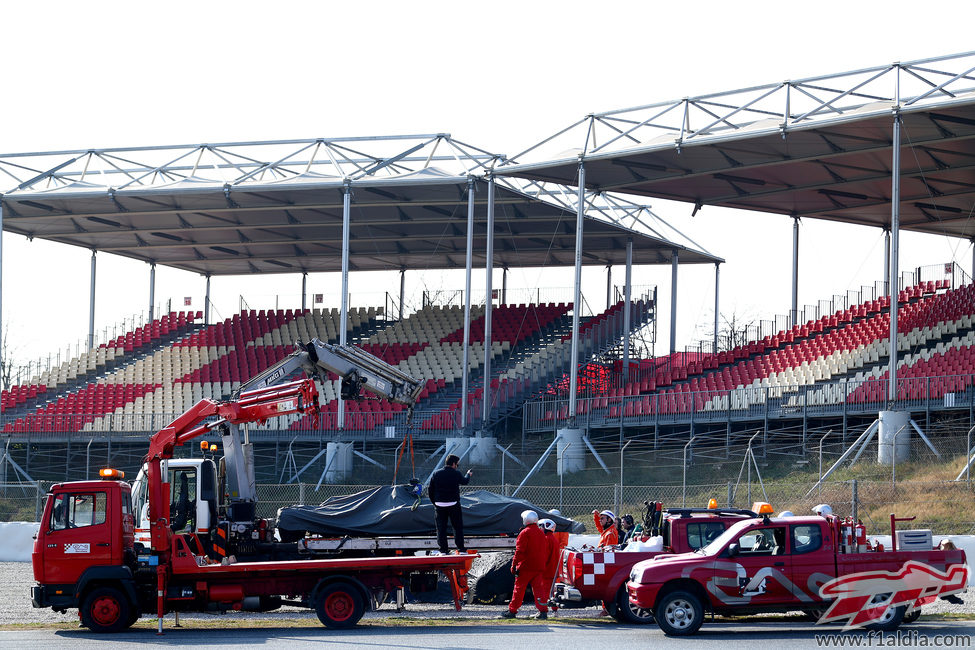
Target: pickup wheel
339, 605
679, 613
892, 616
627, 612
106, 609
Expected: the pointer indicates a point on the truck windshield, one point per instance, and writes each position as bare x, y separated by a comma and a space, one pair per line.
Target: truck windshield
725, 538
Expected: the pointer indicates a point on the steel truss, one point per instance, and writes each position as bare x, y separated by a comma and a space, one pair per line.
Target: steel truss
780, 106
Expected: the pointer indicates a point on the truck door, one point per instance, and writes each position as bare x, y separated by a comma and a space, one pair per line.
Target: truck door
812, 563
762, 569
79, 535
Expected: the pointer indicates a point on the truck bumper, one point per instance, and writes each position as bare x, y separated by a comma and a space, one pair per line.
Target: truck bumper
642, 595
54, 596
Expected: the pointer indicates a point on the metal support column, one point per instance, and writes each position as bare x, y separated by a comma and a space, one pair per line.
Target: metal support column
402, 291
2, 332
91, 305
673, 302
577, 295
152, 291
304, 290
206, 303
794, 313
717, 304
895, 200
467, 303
609, 285
488, 303
886, 261
627, 310
504, 285
344, 315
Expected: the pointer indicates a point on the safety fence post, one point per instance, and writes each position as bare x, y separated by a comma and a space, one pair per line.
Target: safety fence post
38, 492
301, 493
855, 500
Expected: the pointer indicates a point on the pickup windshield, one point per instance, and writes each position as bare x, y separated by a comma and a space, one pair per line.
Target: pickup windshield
725, 538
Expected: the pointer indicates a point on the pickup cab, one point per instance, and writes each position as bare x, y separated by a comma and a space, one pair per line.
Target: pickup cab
591, 577
782, 564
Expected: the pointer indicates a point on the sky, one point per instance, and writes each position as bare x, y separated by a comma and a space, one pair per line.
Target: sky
501, 75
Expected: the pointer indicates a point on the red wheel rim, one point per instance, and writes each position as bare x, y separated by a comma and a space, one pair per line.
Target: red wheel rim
339, 606
105, 610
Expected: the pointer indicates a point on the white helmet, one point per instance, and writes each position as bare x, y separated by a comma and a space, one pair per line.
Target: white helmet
822, 509
787, 513
529, 517
554, 511
547, 524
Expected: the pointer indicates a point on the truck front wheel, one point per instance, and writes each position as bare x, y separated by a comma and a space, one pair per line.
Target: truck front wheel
627, 612
679, 613
339, 605
106, 609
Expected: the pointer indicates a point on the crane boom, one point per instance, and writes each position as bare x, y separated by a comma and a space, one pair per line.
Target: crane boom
356, 368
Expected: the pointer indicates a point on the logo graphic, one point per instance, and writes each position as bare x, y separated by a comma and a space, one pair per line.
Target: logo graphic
77, 548
866, 597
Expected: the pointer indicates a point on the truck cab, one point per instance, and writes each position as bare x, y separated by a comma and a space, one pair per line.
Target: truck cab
194, 500
86, 536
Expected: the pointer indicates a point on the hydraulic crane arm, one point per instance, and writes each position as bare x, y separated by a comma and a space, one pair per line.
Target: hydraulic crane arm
356, 368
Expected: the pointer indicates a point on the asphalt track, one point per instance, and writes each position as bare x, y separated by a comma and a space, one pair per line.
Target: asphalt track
502, 636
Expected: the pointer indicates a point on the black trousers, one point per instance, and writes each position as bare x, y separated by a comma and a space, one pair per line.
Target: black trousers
453, 513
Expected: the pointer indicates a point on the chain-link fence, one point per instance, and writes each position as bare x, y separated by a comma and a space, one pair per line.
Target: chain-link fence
946, 507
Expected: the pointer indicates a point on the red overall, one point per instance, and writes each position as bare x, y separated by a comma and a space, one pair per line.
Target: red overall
528, 565
551, 565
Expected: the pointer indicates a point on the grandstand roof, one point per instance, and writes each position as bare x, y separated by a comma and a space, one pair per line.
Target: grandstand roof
819, 147
276, 207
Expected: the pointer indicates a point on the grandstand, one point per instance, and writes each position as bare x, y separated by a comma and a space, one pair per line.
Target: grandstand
833, 370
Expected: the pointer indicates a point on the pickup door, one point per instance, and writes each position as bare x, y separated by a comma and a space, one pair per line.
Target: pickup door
759, 573
812, 560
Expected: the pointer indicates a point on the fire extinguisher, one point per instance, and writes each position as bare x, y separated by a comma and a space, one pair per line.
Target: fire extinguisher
847, 534
861, 536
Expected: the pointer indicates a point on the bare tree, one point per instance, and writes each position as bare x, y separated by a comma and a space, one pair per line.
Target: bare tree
734, 330
7, 359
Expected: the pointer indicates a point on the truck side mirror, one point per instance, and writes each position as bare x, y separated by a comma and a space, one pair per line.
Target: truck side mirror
733, 549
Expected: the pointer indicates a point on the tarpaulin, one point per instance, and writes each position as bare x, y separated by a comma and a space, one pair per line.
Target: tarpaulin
387, 511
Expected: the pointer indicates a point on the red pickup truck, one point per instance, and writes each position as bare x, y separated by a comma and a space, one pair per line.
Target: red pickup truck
587, 578
794, 563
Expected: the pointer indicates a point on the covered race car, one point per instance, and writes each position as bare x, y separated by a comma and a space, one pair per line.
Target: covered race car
389, 511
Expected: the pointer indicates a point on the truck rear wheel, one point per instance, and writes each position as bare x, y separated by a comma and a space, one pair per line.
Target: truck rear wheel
679, 613
890, 621
627, 612
106, 609
339, 605
912, 616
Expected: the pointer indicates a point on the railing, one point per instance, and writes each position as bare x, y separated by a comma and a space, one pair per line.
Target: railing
135, 426
755, 403
950, 274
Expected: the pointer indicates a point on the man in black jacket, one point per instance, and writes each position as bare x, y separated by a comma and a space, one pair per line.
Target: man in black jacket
444, 492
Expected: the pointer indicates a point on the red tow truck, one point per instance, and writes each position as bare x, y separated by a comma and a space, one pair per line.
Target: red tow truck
813, 564
86, 556
591, 577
